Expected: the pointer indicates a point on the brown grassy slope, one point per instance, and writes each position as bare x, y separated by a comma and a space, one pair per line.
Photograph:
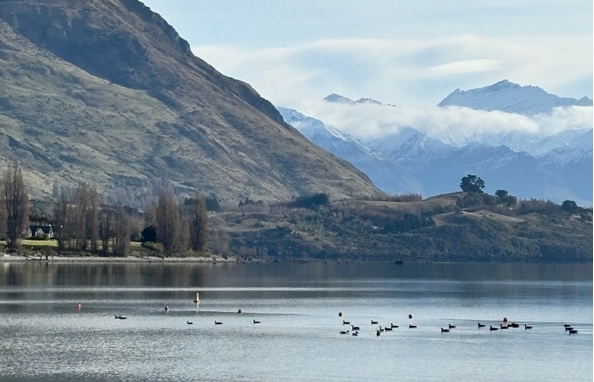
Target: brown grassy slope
354, 229
106, 91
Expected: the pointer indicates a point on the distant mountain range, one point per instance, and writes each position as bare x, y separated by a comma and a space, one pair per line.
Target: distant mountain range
556, 166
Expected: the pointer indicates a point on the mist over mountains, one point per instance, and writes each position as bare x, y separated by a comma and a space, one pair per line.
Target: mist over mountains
518, 138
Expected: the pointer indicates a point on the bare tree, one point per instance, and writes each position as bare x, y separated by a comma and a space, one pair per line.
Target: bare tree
183, 238
17, 204
62, 220
121, 243
80, 208
150, 214
106, 229
2, 211
198, 222
169, 223
92, 218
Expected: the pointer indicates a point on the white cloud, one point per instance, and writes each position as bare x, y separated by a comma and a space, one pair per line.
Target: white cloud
408, 72
369, 121
465, 66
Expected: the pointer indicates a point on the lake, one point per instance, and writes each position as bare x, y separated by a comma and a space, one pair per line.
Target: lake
46, 336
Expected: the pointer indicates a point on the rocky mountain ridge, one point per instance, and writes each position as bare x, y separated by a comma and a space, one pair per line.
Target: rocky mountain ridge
107, 92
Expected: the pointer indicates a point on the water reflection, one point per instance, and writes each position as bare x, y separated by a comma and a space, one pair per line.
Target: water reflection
297, 305
272, 274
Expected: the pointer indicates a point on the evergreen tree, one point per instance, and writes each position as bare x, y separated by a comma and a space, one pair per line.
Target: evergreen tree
472, 183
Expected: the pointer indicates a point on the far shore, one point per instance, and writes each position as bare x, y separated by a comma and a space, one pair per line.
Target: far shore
14, 258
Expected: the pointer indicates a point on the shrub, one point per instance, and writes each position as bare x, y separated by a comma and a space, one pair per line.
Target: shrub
312, 202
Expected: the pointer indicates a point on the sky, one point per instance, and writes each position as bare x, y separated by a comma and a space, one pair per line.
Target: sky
406, 53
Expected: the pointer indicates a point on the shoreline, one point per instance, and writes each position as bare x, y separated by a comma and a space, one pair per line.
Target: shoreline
6, 258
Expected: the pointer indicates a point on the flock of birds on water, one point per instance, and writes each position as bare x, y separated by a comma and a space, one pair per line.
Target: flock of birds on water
354, 331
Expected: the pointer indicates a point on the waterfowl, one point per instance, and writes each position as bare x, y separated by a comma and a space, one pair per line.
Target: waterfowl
445, 330
503, 327
451, 326
218, 323
412, 326
255, 321
566, 325
568, 328
189, 322
355, 334
354, 328
339, 314
481, 325
573, 331
526, 327
118, 317
492, 328
346, 322
393, 326
377, 333
344, 332
387, 328
373, 322
513, 325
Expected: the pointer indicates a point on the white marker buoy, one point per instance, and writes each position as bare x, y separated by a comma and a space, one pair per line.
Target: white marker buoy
197, 300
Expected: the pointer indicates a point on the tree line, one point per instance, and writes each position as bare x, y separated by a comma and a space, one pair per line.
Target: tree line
82, 223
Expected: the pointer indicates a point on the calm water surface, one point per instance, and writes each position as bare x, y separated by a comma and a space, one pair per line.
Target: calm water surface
44, 337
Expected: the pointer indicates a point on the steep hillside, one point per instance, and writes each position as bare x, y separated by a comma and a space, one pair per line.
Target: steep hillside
105, 91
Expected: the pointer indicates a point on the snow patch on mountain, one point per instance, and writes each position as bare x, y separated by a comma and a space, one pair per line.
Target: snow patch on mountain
511, 98
519, 138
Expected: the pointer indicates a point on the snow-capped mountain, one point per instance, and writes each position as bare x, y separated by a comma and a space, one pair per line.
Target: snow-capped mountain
336, 98
386, 174
511, 98
556, 166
